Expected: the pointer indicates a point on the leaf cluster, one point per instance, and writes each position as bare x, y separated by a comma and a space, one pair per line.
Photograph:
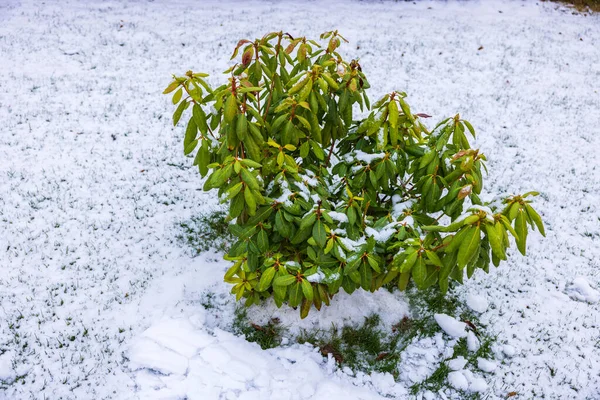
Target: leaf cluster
320, 200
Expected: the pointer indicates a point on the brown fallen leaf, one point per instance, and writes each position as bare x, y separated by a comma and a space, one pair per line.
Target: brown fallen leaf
329, 349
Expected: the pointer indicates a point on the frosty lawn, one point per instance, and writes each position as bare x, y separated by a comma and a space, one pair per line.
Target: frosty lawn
99, 297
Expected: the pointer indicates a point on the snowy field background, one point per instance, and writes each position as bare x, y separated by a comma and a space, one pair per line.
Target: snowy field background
99, 300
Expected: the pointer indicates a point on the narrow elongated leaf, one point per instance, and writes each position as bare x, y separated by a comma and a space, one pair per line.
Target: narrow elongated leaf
409, 262
262, 240
250, 201
537, 220
468, 247
249, 179
178, 111
419, 272
230, 108
190, 133
495, 241
284, 280
172, 86
393, 113
265, 279
521, 228
319, 234
262, 214
307, 290
434, 258
403, 280
241, 126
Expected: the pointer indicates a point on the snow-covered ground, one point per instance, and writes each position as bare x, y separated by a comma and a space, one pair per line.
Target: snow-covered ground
100, 300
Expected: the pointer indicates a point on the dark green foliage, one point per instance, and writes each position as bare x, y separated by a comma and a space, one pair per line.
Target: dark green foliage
267, 336
322, 201
582, 5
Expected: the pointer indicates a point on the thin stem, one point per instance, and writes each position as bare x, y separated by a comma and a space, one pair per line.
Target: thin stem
330, 153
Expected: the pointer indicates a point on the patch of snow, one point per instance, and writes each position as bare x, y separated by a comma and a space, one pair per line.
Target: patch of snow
477, 303
338, 216
508, 350
472, 342
451, 326
317, 277
478, 385
458, 380
7, 373
457, 363
581, 290
486, 365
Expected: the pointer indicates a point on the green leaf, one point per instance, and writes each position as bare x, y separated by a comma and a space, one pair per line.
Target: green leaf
403, 280
190, 135
521, 229
468, 247
234, 190
329, 246
190, 147
172, 86
284, 280
250, 201
231, 108
366, 275
262, 214
203, 158
178, 111
237, 206
308, 221
249, 179
434, 258
409, 262
469, 127
495, 240
265, 279
537, 220
319, 234
303, 121
317, 150
262, 240
307, 290
177, 96
241, 127
393, 113
249, 163
419, 272
295, 296
200, 118
282, 226
405, 109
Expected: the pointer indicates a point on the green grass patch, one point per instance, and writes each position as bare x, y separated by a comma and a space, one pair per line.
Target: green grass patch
206, 231
582, 5
267, 336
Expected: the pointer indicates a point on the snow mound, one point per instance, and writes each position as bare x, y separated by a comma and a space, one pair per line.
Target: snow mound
458, 380
477, 303
451, 326
581, 290
344, 309
7, 373
486, 365
174, 360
